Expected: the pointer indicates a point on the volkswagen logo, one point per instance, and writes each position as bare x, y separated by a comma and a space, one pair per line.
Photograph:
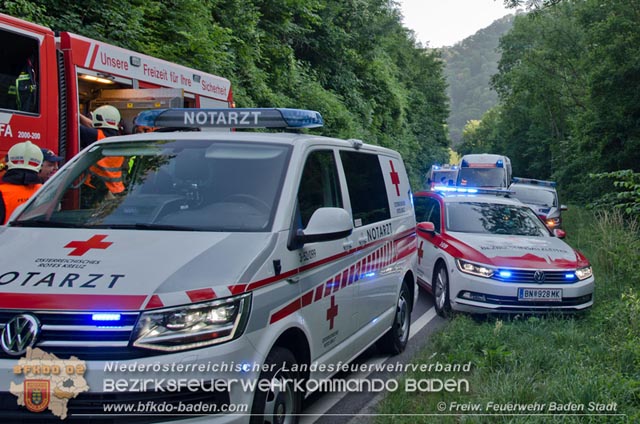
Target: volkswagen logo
19, 334
538, 276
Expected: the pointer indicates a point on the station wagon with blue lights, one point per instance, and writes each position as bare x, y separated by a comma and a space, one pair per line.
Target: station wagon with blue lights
542, 197
230, 255
482, 252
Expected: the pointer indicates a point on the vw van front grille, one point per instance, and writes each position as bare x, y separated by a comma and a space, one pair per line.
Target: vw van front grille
76, 333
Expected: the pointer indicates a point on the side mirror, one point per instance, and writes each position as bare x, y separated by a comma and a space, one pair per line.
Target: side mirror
325, 224
559, 233
563, 207
426, 228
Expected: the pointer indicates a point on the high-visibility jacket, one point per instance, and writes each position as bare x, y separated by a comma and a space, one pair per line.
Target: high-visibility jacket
109, 170
14, 195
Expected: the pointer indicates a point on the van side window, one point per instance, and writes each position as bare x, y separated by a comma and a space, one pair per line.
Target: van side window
320, 186
367, 191
18, 72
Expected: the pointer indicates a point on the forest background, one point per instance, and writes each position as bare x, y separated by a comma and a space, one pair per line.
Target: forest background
568, 79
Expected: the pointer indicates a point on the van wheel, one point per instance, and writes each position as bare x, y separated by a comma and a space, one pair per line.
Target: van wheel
441, 292
280, 403
395, 340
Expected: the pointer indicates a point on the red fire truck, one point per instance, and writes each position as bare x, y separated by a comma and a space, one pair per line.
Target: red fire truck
47, 79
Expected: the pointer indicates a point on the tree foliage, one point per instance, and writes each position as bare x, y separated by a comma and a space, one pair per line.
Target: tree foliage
625, 194
569, 94
352, 60
470, 64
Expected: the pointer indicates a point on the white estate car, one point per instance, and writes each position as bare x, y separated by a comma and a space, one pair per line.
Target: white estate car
230, 259
542, 197
483, 253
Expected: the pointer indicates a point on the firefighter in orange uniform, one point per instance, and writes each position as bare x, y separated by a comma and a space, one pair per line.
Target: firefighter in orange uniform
21, 180
105, 122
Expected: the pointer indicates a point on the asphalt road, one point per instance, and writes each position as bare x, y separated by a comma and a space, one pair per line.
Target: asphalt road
359, 407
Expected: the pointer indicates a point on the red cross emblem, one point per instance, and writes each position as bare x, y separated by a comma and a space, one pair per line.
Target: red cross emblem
82, 247
332, 312
395, 179
420, 252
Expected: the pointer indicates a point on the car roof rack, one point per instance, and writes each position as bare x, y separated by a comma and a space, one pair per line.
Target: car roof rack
519, 180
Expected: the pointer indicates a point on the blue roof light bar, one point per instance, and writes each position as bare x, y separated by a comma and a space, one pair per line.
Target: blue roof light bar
471, 190
231, 118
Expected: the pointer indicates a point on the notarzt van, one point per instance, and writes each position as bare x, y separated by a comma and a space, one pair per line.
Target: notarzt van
485, 170
234, 273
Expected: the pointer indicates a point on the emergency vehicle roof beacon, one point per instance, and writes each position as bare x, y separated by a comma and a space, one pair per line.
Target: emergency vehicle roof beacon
284, 255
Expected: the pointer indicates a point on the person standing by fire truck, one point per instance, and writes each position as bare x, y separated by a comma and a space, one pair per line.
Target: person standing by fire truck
21, 180
104, 122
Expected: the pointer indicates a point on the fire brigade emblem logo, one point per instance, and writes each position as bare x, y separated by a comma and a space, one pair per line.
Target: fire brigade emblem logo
19, 334
36, 395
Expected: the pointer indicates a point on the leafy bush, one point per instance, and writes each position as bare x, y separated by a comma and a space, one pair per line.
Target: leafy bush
627, 195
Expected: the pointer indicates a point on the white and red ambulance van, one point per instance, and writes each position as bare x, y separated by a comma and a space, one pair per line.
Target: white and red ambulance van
230, 257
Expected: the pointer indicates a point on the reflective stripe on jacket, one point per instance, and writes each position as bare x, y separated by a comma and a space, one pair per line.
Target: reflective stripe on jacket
109, 170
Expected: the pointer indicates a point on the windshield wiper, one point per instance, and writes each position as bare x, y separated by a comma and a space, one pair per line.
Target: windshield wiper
44, 223
145, 226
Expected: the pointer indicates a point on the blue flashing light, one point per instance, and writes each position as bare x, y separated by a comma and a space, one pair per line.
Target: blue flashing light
370, 274
105, 317
231, 118
471, 190
464, 164
436, 167
505, 274
299, 118
245, 367
148, 117
443, 188
499, 164
570, 276
453, 189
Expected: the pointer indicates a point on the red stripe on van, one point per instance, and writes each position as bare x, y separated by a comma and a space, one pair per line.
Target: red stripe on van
286, 311
241, 288
201, 295
307, 298
154, 302
82, 302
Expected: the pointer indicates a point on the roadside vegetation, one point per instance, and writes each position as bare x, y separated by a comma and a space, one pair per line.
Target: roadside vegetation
353, 61
592, 358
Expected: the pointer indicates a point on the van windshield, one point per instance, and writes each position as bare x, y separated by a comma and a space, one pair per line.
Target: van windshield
482, 177
165, 185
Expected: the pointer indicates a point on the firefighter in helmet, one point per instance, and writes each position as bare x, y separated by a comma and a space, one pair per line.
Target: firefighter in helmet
104, 122
21, 180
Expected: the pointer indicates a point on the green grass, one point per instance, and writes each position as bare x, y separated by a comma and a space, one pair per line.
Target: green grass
563, 359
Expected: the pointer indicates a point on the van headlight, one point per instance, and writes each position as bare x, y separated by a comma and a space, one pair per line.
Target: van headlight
584, 273
193, 326
474, 269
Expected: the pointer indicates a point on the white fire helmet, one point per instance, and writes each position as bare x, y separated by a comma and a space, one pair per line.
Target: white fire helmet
106, 117
25, 155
